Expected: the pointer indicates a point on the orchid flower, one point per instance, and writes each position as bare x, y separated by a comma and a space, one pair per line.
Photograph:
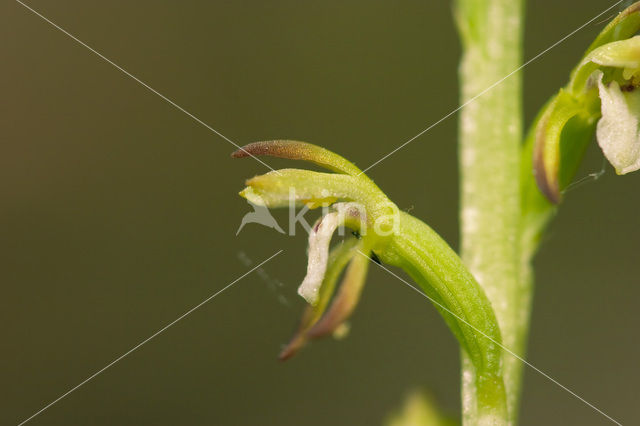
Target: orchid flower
618, 131
602, 97
384, 234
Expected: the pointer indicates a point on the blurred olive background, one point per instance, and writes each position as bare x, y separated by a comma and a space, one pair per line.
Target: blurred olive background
119, 213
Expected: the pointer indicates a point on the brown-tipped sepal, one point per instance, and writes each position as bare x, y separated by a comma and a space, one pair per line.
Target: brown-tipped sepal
562, 135
299, 338
295, 150
545, 172
347, 298
339, 257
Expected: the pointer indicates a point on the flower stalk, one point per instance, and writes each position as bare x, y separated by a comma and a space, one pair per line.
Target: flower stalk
601, 98
490, 137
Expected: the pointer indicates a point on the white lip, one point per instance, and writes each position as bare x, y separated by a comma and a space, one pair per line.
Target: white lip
617, 131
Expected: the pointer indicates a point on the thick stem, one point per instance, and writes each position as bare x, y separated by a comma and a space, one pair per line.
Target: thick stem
489, 156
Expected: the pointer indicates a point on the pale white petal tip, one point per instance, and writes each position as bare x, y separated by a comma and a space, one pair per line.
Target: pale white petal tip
309, 290
617, 132
319, 241
316, 268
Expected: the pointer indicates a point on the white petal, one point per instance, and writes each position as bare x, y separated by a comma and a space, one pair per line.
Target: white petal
319, 240
617, 131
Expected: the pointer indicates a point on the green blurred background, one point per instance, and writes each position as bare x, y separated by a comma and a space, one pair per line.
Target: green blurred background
119, 213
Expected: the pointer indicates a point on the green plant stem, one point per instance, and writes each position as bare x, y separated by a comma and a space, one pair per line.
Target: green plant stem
438, 270
489, 157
